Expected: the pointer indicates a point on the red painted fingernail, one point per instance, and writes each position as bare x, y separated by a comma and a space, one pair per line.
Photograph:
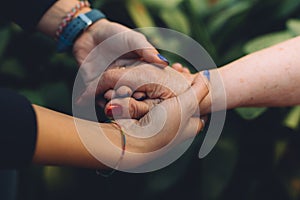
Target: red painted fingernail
114, 110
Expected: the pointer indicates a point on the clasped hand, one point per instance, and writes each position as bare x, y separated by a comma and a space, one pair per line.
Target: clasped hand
169, 109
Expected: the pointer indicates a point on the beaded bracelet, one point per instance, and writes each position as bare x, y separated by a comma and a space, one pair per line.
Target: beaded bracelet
98, 172
69, 17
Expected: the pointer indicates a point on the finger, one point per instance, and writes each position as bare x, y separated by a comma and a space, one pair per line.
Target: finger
110, 94
189, 101
178, 67
186, 70
200, 86
152, 56
139, 44
123, 91
129, 108
140, 96
205, 105
193, 127
145, 78
108, 80
121, 63
156, 83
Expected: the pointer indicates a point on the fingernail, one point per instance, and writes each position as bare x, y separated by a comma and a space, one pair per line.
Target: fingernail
206, 73
141, 98
163, 58
114, 110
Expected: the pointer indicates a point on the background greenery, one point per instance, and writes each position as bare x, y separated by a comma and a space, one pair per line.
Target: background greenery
257, 156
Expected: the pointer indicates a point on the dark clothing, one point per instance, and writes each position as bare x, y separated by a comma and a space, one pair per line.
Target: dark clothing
26, 13
18, 130
18, 127
8, 184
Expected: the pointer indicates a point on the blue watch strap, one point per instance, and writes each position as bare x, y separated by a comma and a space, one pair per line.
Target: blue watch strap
75, 27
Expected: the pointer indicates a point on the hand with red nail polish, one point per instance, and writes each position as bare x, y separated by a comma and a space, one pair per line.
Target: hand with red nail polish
166, 84
113, 110
177, 117
57, 145
146, 83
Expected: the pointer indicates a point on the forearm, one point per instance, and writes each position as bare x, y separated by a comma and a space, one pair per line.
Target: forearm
270, 77
59, 142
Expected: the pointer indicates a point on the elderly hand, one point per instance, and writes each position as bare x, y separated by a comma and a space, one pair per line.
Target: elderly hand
206, 104
172, 119
156, 84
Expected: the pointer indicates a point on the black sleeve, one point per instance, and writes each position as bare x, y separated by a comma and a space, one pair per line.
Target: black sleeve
18, 130
26, 13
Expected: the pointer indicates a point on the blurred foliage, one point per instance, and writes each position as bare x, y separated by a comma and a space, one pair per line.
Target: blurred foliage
257, 156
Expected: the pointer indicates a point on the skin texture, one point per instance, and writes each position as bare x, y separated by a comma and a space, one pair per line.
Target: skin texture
267, 78
96, 33
270, 77
157, 84
58, 142
101, 30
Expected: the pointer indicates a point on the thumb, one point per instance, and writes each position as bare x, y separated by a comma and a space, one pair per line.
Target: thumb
189, 101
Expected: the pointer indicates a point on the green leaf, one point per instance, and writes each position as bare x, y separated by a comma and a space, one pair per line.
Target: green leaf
4, 39
175, 19
266, 41
63, 60
34, 97
250, 113
98, 4
139, 14
293, 26
56, 178
222, 17
218, 168
288, 7
56, 95
12, 67
158, 4
198, 7
280, 149
293, 118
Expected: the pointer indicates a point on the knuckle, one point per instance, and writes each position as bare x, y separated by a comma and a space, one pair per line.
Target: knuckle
133, 110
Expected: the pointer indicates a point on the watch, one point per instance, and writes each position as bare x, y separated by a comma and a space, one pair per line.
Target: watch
76, 27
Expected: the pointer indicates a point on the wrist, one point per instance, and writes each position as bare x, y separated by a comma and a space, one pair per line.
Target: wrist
232, 87
82, 11
92, 30
134, 144
69, 32
51, 20
222, 95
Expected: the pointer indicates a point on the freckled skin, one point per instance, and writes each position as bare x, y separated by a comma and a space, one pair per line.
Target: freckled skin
270, 77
